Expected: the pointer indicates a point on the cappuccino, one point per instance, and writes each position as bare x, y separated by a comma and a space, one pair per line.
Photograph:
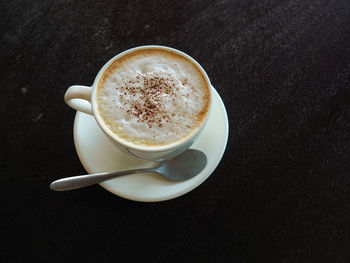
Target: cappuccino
152, 97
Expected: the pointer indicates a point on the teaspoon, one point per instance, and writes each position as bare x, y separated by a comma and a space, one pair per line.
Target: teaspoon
182, 167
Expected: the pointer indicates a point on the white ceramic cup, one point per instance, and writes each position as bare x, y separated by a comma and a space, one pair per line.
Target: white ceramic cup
82, 98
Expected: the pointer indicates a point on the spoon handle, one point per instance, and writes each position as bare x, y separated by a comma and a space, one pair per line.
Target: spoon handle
75, 182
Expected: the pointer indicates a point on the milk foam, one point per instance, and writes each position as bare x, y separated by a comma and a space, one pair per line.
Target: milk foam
152, 97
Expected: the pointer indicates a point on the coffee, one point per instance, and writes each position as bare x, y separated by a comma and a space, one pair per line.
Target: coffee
152, 97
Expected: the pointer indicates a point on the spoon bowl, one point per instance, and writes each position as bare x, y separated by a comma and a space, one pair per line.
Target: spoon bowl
182, 167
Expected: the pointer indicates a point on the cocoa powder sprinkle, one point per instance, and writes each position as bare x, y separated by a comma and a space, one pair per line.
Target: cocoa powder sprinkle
146, 96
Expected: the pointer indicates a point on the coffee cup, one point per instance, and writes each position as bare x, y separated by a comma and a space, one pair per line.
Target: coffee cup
152, 102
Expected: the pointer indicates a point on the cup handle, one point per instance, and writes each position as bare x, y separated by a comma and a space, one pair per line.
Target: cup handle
78, 97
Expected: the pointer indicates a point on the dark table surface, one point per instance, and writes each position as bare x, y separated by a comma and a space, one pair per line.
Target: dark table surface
281, 192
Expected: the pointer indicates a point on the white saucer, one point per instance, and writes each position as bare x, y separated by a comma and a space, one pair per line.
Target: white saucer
97, 154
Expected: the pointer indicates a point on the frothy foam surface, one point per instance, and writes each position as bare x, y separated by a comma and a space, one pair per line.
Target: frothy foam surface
152, 97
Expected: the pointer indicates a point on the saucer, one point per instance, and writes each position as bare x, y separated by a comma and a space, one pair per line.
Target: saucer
98, 154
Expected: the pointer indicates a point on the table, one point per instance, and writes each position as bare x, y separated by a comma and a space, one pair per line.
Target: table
281, 192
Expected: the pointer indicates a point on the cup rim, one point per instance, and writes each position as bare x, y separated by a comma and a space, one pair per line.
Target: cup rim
131, 145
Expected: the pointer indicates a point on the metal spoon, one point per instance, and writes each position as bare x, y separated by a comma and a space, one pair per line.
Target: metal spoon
183, 167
